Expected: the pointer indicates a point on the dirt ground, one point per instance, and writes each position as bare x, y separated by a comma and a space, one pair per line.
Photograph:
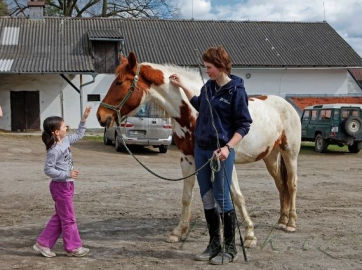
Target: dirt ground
124, 214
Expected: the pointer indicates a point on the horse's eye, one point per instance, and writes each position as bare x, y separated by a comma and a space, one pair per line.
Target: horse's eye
118, 82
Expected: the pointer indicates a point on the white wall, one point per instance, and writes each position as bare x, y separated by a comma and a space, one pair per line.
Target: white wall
262, 81
298, 81
49, 87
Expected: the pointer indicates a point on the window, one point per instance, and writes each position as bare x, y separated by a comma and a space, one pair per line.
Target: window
306, 116
355, 113
314, 115
336, 115
151, 110
325, 115
94, 97
344, 114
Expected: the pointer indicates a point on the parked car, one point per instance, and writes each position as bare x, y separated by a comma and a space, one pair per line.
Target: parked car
338, 124
149, 127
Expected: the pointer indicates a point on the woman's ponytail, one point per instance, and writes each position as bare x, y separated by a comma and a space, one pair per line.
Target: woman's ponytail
50, 125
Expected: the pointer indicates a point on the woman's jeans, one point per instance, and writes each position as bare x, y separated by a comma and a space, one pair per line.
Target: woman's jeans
217, 191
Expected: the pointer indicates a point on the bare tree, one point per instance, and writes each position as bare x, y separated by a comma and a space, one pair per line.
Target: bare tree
100, 8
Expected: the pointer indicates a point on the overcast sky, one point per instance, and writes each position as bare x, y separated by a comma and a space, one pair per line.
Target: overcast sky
345, 16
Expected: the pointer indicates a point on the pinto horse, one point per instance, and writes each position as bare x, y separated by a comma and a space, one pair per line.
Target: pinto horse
274, 136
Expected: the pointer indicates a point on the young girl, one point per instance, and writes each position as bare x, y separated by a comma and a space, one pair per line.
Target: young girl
59, 167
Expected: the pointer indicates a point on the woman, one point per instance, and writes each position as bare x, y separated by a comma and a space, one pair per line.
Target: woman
231, 118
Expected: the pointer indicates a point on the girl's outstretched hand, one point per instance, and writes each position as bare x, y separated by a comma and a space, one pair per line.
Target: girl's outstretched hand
86, 113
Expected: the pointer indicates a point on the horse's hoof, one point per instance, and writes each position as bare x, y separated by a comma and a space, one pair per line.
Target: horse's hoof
173, 239
250, 243
281, 226
290, 229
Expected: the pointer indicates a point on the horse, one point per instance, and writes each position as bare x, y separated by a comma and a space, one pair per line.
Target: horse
274, 135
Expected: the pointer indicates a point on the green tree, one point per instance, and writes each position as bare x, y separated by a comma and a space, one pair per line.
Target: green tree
99, 8
3, 8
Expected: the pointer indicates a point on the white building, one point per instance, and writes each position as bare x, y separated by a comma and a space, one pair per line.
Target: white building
40, 60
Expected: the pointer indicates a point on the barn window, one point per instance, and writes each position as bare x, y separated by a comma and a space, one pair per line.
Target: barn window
105, 46
94, 97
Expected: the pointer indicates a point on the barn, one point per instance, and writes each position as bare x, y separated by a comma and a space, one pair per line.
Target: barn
55, 66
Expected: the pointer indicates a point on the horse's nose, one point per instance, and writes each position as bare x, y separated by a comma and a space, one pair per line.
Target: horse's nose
99, 120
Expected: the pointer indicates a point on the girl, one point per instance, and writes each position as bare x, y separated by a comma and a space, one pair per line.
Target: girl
230, 115
59, 167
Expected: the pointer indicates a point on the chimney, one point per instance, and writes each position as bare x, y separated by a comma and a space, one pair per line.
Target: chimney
36, 9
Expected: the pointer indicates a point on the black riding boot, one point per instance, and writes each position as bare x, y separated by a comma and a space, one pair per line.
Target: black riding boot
214, 246
229, 255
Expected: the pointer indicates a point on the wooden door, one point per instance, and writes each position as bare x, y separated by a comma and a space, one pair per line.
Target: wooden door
25, 110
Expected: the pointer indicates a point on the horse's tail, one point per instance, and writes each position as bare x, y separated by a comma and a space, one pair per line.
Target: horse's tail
283, 173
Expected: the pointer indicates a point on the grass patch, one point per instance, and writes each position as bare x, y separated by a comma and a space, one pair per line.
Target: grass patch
308, 148
96, 138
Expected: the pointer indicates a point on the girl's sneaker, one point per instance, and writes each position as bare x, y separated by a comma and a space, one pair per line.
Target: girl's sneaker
46, 252
79, 252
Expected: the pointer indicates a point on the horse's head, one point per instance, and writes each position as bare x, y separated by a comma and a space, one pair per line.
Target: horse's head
125, 77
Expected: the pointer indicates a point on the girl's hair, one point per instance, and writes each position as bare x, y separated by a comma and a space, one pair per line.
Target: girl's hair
50, 125
219, 58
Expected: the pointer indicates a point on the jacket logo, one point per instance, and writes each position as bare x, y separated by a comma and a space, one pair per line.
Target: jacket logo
224, 100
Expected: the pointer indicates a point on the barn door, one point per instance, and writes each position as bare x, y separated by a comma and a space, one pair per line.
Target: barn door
25, 111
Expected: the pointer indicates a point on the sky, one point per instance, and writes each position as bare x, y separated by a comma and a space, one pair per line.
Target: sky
345, 16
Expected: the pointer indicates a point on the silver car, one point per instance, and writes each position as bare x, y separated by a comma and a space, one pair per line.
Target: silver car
150, 126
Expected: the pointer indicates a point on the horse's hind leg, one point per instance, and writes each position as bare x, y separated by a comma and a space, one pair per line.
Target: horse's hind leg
290, 161
277, 170
179, 232
238, 198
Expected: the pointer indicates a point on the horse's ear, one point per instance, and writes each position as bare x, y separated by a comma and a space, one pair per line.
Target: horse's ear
121, 58
132, 61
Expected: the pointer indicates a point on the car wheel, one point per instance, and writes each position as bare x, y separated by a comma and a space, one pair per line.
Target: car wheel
163, 148
106, 141
118, 144
320, 144
353, 148
352, 126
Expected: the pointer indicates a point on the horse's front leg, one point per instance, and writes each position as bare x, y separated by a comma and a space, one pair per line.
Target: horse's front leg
179, 232
239, 201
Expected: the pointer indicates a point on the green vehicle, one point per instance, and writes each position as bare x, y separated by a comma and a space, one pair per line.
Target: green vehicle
338, 124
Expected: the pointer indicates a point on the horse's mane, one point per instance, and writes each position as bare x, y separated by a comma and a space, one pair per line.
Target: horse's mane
190, 77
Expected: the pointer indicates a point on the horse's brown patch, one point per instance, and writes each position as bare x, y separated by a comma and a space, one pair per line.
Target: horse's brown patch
154, 76
281, 141
250, 99
263, 154
187, 122
261, 97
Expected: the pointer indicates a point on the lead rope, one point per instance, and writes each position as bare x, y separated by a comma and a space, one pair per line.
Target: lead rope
212, 164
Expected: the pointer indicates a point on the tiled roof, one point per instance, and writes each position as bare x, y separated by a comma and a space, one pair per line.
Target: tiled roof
108, 34
62, 44
303, 102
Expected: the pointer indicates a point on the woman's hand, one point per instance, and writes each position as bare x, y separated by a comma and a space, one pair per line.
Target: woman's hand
74, 174
222, 153
86, 113
175, 80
